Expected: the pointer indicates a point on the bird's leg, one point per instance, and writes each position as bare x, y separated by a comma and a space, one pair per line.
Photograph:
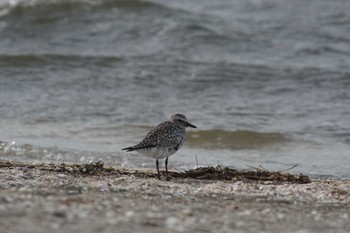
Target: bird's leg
166, 165
157, 164
166, 168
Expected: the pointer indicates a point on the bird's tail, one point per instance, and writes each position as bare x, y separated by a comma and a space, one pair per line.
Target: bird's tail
129, 149
138, 147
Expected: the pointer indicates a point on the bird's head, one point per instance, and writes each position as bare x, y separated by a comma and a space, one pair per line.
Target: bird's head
181, 119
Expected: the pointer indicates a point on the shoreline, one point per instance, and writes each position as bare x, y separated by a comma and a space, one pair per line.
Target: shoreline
35, 199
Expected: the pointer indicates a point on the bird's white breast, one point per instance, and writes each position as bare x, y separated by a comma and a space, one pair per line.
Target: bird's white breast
159, 152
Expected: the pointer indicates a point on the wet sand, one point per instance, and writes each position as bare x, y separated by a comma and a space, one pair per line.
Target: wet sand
35, 199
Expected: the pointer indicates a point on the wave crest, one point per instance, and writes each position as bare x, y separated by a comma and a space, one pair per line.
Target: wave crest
241, 139
18, 6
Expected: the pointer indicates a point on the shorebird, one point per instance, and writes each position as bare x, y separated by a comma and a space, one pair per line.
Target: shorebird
164, 140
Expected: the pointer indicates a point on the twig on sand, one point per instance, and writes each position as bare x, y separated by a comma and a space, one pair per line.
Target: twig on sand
259, 169
294, 166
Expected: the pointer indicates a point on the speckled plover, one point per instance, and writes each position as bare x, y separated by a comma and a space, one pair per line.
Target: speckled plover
164, 140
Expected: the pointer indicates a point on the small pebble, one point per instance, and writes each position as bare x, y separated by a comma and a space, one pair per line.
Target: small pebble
61, 175
175, 224
129, 213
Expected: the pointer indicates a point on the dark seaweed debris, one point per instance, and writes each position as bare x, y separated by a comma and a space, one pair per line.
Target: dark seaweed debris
202, 173
217, 173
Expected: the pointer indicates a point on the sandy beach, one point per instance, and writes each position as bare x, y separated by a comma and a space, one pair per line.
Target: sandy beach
36, 199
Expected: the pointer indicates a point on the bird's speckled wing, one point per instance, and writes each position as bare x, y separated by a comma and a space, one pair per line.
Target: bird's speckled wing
166, 134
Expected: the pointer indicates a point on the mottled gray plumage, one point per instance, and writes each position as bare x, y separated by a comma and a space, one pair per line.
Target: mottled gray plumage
164, 140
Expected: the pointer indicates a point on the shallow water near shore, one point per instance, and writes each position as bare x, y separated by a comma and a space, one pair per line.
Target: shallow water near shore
266, 82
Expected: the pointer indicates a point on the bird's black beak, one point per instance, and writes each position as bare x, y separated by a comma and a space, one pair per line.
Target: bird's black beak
190, 125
